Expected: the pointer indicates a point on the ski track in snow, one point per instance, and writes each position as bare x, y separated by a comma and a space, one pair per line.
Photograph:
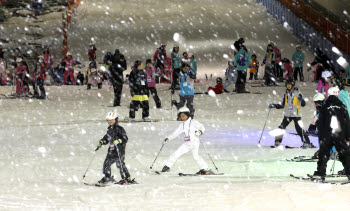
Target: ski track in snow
46, 146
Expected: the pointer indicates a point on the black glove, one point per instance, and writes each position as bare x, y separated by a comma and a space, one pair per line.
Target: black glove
172, 91
271, 105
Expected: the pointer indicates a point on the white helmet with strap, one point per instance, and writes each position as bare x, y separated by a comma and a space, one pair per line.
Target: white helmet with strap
184, 110
333, 91
112, 115
326, 74
319, 97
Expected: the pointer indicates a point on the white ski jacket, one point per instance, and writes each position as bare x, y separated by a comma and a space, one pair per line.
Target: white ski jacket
188, 128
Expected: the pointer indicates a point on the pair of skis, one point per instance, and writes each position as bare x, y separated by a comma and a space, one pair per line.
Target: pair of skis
133, 182
316, 180
188, 175
303, 159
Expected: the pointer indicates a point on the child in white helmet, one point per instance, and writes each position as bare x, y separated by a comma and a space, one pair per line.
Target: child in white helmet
116, 138
191, 129
318, 99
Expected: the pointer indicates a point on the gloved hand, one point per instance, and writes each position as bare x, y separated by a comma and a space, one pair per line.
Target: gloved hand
198, 132
172, 91
100, 143
166, 140
271, 105
118, 141
308, 69
300, 98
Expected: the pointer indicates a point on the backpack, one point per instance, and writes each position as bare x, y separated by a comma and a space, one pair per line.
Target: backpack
241, 60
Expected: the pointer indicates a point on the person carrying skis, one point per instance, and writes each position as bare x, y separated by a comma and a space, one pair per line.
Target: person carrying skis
292, 103
116, 138
333, 127
151, 82
298, 60
192, 130
138, 90
39, 78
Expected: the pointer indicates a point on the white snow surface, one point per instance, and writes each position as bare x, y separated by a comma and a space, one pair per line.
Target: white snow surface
46, 146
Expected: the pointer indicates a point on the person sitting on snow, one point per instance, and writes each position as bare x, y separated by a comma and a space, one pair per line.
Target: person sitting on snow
218, 89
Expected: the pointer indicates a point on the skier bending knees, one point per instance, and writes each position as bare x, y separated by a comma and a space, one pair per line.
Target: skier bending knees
116, 138
191, 129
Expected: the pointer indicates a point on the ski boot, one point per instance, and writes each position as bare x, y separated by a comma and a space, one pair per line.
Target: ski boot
205, 172
277, 143
315, 156
317, 177
225, 90
106, 180
342, 172
307, 145
146, 119
99, 85
165, 169
88, 86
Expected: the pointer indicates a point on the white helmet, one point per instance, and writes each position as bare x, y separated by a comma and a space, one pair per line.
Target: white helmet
69, 53
18, 60
111, 115
319, 97
184, 110
326, 74
333, 91
41, 57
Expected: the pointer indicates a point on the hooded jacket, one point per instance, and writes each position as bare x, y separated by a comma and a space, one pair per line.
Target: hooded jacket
334, 120
242, 60
291, 103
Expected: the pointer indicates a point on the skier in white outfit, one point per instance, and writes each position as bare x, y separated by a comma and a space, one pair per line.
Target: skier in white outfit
191, 129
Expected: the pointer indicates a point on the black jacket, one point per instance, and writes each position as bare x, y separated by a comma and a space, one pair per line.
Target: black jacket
323, 59
115, 132
118, 67
333, 107
138, 82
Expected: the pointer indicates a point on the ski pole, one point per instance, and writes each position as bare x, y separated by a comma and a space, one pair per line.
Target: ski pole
90, 164
209, 155
335, 157
264, 125
157, 155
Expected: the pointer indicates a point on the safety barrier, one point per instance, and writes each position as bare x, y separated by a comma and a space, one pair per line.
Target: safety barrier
310, 27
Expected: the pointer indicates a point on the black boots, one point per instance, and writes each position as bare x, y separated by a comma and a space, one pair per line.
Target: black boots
165, 169
205, 172
99, 86
89, 86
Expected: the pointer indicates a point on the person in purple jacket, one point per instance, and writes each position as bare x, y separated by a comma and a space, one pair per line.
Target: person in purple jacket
151, 71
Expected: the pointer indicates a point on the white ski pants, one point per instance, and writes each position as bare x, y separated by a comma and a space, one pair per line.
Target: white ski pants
183, 149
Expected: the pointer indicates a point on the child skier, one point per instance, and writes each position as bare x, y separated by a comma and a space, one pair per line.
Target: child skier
68, 62
151, 82
318, 99
116, 138
231, 75
253, 68
269, 60
94, 79
139, 90
287, 69
292, 102
323, 83
218, 88
21, 72
191, 129
39, 78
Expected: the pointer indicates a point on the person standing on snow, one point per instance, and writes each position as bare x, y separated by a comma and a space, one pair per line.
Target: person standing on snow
117, 68
324, 83
175, 66
238, 45
92, 54
292, 103
254, 68
151, 82
242, 61
139, 91
324, 63
21, 71
186, 92
192, 130
159, 59
278, 69
298, 60
39, 78
333, 130
48, 61
231, 75
193, 63
269, 60
116, 138
68, 62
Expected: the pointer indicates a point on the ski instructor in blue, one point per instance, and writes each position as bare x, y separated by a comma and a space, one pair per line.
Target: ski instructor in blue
192, 130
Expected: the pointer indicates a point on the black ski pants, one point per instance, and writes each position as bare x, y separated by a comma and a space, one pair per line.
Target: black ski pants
117, 155
300, 131
39, 83
241, 79
188, 99
326, 145
118, 88
269, 77
134, 106
154, 94
298, 71
176, 76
